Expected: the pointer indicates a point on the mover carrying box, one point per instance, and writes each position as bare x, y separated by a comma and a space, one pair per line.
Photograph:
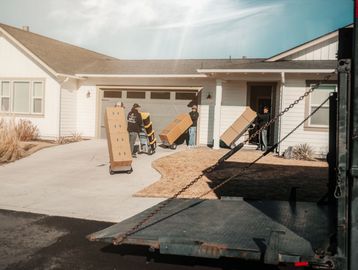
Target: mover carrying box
239, 127
175, 129
118, 140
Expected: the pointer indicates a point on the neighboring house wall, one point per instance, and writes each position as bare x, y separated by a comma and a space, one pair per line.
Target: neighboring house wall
326, 50
317, 139
16, 65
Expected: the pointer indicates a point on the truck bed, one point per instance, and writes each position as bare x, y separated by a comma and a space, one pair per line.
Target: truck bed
271, 231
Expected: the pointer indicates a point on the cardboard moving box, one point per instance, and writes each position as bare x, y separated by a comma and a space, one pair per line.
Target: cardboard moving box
175, 129
239, 127
118, 140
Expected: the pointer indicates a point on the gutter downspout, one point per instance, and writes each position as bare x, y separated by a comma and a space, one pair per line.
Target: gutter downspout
60, 111
283, 83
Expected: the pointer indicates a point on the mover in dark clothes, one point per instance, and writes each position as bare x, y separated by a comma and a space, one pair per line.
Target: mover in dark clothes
134, 119
263, 119
194, 115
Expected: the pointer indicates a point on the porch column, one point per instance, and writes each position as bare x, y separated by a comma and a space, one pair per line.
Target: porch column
281, 93
217, 114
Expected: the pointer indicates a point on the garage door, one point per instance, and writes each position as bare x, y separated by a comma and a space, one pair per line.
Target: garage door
162, 105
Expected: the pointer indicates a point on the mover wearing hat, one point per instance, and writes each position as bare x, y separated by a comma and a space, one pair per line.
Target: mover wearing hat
194, 115
134, 119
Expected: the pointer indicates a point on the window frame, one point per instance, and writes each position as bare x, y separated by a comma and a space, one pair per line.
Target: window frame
32, 97
2, 96
185, 92
160, 92
136, 91
308, 126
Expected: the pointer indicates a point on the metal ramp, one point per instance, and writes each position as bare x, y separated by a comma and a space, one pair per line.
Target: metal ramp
270, 231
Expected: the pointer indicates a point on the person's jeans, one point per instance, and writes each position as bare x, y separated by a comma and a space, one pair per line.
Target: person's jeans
264, 140
132, 139
192, 136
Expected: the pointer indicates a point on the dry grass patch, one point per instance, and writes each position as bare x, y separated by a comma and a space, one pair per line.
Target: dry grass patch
26, 131
75, 137
10, 149
19, 139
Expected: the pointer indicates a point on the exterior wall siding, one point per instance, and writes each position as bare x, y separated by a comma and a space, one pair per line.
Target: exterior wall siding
316, 139
326, 50
15, 64
86, 111
69, 108
234, 103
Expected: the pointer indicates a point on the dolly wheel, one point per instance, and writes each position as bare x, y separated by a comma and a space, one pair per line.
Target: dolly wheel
130, 171
173, 146
110, 171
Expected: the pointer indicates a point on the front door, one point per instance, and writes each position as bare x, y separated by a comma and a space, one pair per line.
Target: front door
259, 96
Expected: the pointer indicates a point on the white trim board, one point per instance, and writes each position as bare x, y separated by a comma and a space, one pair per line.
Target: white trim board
141, 75
265, 71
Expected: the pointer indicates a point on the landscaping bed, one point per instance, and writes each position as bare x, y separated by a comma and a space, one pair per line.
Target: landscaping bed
272, 177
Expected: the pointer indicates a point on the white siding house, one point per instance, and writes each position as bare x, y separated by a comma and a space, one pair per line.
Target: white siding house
66, 88
17, 68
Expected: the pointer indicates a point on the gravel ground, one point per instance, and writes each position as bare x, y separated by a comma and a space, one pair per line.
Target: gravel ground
272, 177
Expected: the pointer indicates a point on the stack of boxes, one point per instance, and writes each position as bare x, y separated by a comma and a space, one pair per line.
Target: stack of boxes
175, 129
118, 140
239, 127
148, 126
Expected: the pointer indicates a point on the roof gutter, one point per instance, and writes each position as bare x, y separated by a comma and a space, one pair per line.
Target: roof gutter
208, 71
141, 75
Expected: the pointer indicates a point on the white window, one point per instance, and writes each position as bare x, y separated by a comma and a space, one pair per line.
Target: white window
37, 97
321, 117
23, 97
5, 96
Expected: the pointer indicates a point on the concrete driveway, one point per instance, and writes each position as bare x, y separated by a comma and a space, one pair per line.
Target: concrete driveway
73, 180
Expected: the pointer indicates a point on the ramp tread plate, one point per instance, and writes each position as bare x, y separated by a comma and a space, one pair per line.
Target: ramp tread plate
233, 225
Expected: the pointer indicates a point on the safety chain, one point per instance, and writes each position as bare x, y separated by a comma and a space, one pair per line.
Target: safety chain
289, 107
338, 190
242, 170
120, 239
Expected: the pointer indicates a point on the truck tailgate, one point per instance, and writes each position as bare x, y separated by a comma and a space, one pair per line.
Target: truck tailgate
273, 231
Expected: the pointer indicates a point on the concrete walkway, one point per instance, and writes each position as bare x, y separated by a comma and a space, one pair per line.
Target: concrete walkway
73, 180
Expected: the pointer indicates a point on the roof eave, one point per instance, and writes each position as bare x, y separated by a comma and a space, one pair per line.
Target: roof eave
141, 75
211, 71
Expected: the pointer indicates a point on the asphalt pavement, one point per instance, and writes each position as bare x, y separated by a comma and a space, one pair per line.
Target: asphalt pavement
40, 242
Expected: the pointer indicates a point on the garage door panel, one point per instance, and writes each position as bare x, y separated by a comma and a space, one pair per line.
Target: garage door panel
162, 111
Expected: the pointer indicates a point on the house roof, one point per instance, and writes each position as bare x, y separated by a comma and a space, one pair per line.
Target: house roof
282, 65
69, 59
60, 56
64, 58
156, 67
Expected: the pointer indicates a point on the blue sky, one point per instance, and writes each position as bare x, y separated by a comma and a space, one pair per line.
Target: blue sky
159, 29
